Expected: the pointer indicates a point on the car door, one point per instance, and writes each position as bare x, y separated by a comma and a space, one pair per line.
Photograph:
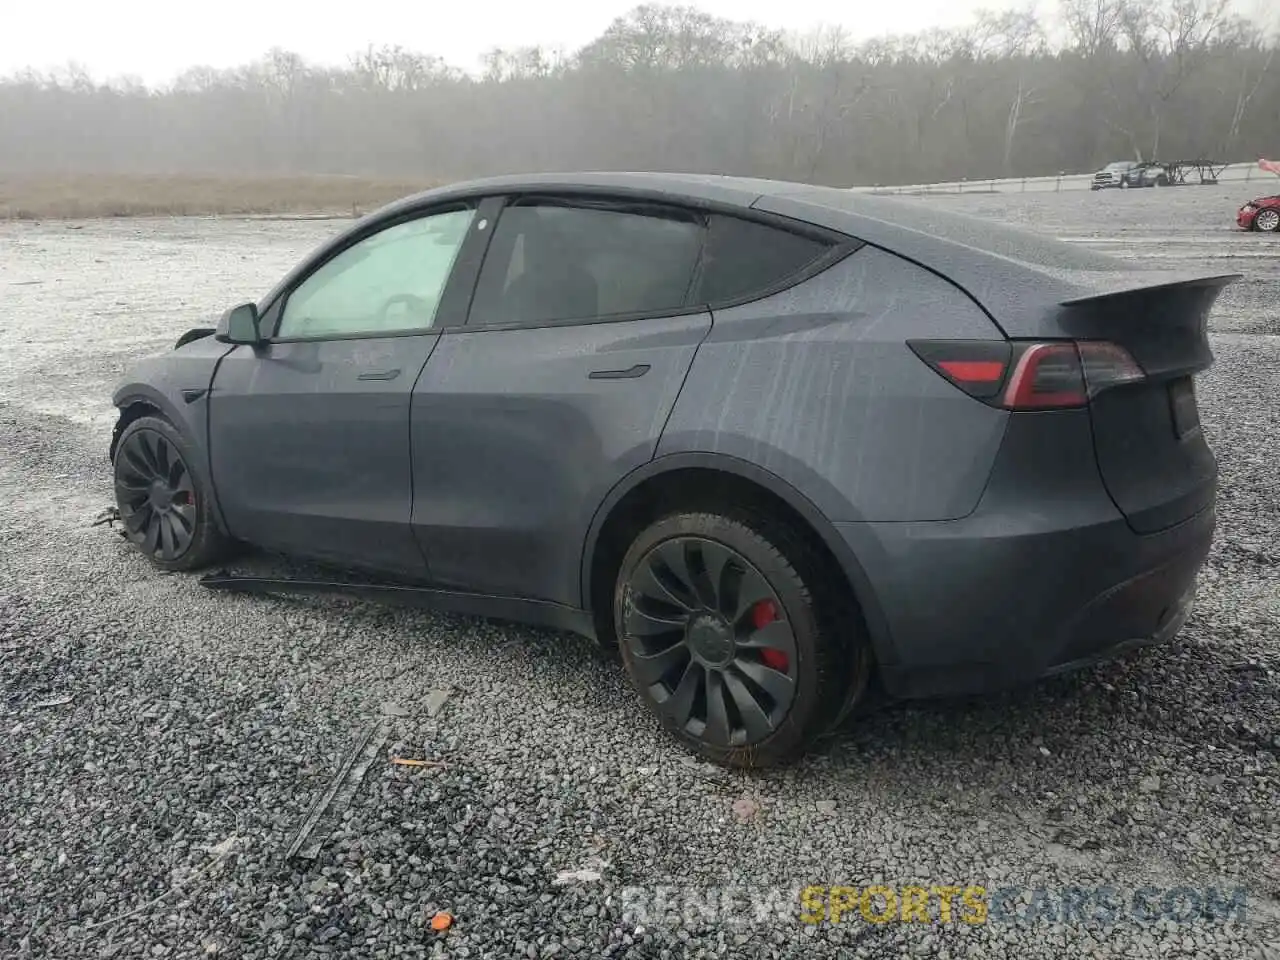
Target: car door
576, 346
309, 432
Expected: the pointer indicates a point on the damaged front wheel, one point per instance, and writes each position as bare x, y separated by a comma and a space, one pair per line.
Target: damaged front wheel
163, 504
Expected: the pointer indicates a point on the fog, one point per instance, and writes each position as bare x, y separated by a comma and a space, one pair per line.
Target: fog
672, 88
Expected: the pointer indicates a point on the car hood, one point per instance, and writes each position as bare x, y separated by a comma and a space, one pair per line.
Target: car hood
1272, 201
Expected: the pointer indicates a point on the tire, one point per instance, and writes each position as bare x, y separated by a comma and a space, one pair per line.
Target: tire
1267, 220
165, 508
776, 664
1162, 181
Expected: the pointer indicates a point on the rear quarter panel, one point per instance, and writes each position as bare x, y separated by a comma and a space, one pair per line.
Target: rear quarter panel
817, 386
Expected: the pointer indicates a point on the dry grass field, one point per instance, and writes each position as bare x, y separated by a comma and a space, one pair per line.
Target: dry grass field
88, 196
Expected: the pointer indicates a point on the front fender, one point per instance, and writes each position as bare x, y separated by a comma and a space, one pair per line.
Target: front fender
131, 396
177, 387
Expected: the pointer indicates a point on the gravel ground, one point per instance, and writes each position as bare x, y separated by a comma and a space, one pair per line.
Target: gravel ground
162, 744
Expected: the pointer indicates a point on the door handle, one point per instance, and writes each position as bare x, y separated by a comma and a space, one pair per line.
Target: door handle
639, 370
379, 375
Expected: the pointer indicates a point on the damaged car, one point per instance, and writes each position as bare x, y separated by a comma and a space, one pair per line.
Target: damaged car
1261, 214
781, 445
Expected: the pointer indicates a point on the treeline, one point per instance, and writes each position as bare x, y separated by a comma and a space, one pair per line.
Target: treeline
674, 88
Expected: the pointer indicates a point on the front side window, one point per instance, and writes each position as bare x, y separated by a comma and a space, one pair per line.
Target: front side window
561, 262
388, 282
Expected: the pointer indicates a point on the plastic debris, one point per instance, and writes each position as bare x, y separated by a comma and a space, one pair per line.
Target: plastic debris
411, 762
434, 701
108, 516
576, 876
55, 702
744, 808
330, 804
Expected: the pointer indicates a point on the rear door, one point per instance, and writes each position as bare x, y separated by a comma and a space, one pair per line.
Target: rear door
577, 344
309, 433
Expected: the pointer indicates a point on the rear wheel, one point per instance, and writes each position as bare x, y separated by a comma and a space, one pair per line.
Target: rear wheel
1267, 220
721, 632
166, 512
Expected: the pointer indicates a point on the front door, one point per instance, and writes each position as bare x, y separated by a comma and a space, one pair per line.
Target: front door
309, 433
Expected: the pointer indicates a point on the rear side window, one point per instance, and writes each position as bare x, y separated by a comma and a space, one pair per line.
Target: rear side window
552, 261
743, 258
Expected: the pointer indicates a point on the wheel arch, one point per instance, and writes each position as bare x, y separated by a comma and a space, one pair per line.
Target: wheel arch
636, 490
133, 405
137, 400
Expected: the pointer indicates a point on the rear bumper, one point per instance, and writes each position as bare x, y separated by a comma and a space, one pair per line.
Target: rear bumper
1028, 585
990, 614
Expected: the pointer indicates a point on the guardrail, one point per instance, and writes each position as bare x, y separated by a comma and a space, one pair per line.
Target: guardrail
1231, 173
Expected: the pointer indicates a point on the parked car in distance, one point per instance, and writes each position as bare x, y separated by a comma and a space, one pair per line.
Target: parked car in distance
1262, 214
775, 441
1131, 173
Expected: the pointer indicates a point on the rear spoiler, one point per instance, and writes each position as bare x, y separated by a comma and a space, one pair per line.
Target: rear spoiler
1137, 284
1163, 324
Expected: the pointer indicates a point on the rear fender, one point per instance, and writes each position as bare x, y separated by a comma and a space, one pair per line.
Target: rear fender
850, 565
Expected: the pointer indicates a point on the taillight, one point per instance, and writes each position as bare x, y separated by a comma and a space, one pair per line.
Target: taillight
1107, 365
1020, 375
975, 366
1046, 376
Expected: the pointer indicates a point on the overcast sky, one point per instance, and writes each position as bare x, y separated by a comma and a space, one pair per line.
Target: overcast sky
156, 39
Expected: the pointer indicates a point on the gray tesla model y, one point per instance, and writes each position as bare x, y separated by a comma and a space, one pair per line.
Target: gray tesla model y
775, 441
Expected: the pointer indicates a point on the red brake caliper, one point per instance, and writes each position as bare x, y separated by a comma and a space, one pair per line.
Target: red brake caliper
763, 613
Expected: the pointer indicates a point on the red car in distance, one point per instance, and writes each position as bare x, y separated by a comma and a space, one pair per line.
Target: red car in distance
1262, 214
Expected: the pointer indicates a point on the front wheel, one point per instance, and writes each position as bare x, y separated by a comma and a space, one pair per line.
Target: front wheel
722, 637
166, 511
1267, 220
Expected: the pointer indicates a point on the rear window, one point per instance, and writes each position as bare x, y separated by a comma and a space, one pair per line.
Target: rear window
742, 258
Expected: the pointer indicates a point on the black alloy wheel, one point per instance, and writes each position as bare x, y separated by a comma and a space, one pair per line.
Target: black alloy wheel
720, 635
155, 494
708, 634
162, 504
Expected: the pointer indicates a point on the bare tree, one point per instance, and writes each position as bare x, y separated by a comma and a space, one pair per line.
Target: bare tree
672, 87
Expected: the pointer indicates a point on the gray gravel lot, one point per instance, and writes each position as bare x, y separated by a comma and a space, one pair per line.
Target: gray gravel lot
148, 815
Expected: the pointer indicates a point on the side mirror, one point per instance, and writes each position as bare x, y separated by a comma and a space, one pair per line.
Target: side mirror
239, 325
